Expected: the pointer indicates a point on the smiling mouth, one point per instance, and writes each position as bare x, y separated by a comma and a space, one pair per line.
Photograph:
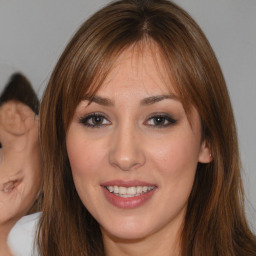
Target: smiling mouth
127, 192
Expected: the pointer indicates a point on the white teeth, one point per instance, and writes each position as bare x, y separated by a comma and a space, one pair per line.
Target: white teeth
116, 189
111, 189
130, 191
139, 190
145, 189
122, 190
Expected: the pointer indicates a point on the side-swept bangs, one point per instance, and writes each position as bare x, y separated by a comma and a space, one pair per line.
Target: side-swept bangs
91, 53
215, 207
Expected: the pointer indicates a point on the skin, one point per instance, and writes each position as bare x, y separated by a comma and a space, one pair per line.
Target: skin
129, 145
20, 165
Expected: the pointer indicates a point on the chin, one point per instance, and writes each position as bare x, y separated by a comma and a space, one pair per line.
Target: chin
127, 230
127, 235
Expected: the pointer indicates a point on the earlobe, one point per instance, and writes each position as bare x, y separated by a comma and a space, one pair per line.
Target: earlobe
205, 155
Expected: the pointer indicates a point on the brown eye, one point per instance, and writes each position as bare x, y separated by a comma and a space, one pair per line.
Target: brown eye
160, 121
95, 120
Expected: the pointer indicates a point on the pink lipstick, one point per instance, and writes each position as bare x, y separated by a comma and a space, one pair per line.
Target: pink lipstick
128, 194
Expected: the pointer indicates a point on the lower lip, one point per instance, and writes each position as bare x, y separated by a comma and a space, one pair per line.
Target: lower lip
130, 202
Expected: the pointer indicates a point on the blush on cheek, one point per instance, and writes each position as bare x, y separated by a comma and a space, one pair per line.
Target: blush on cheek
84, 164
84, 154
175, 159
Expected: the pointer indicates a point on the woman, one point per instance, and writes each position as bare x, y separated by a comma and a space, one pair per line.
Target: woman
139, 142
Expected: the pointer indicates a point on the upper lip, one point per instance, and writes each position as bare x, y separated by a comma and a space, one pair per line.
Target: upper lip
128, 183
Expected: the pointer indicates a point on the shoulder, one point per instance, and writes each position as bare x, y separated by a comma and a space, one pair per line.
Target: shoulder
21, 239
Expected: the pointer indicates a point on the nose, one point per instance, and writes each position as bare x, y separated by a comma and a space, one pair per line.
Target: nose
126, 151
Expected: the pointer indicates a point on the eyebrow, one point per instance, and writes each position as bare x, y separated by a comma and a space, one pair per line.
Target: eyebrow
101, 101
154, 99
147, 101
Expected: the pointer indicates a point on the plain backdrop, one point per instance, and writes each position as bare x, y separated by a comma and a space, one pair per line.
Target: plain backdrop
33, 34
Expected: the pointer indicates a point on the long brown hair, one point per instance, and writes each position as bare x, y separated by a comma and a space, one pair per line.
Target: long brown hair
215, 221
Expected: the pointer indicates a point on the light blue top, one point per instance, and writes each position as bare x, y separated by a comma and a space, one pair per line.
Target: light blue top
21, 239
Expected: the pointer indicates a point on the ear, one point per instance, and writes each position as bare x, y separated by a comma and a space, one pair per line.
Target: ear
13, 117
205, 155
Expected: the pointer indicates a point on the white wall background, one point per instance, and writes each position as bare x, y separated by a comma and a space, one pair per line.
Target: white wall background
33, 33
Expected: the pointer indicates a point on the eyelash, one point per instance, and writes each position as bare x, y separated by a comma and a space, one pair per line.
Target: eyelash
85, 120
164, 117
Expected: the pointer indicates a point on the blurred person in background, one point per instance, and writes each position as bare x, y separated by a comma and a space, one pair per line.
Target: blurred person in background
20, 157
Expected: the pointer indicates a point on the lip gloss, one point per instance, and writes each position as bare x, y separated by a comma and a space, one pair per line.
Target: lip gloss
127, 202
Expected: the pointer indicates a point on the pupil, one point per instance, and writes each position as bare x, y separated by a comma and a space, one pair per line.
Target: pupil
97, 119
159, 120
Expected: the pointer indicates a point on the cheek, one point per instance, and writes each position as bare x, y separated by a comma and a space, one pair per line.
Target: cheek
87, 164
176, 157
84, 157
175, 163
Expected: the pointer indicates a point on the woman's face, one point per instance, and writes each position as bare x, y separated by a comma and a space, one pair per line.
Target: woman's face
133, 152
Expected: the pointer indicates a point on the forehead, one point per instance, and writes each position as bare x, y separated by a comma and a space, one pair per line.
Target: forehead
138, 70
